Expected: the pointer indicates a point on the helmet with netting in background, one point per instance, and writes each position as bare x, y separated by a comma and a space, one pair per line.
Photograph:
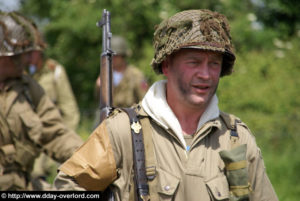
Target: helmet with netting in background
119, 46
18, 34
200, 29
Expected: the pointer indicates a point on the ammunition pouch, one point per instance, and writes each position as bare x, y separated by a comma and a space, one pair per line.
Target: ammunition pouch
237, 172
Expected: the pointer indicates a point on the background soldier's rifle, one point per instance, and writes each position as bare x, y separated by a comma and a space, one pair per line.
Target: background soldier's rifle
106, 79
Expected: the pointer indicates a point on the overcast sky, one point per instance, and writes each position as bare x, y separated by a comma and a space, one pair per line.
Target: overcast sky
9, 5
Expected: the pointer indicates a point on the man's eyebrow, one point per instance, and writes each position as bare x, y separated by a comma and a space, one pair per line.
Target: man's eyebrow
194, 57
217, 57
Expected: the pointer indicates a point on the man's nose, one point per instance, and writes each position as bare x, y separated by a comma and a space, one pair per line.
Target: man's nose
203, 71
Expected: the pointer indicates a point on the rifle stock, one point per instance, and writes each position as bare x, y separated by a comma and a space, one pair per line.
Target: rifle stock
105, 67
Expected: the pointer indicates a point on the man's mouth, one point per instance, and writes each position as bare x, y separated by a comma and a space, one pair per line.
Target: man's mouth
201, 88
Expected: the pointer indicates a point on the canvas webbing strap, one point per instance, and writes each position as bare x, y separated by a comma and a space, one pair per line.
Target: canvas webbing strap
234, 137
231, 124
140, 177
150, 158
149, 152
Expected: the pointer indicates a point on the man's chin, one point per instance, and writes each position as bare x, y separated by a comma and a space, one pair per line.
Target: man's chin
198, 101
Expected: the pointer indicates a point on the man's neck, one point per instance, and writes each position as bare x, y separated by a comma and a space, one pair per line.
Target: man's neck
188, 117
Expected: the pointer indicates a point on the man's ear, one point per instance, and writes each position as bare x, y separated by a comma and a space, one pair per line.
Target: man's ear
165, 66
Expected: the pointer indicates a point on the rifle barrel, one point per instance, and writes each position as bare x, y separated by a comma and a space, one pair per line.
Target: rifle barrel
105, 67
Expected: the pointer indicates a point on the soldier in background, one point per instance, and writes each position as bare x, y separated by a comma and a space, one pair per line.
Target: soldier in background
29, 121
53, 78
129, 83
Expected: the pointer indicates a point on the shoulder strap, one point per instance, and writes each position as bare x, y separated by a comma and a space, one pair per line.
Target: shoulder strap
150, 158
28, 96
140, 178
231, 123
32, 91
149, 151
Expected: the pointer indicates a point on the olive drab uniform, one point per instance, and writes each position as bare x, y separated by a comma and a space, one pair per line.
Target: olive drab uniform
173, 173
53, 78
131, 89
30, 124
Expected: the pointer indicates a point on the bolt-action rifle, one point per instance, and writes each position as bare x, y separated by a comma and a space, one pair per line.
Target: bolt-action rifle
142, 189
106, 79
105, 67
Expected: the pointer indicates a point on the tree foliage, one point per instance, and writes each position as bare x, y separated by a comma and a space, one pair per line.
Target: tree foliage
280, 14
75, 41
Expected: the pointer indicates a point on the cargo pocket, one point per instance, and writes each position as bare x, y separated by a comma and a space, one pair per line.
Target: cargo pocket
218, 188
33, 125
237, 172
27, 150
167, 184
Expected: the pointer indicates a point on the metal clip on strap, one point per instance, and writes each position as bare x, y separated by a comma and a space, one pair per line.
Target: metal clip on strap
140, 177
234, 136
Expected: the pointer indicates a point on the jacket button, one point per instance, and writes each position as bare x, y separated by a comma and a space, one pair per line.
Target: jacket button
167, 188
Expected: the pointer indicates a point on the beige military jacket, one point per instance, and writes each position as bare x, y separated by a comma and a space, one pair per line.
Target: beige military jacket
180, 174
54, 79
30, 124
197, 173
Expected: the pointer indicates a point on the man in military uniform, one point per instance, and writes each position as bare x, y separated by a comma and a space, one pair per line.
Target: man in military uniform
129, 83
192, 150
53, 78
29, 121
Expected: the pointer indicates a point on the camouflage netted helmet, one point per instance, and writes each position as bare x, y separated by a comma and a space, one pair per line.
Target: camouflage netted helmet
201, 29
119, 46
18, 34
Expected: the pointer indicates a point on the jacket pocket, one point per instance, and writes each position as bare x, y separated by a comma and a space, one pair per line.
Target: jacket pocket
33, 125
28, 149
167, 184
218, 188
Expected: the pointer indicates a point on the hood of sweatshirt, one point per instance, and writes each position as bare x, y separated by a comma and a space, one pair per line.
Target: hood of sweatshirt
155, 105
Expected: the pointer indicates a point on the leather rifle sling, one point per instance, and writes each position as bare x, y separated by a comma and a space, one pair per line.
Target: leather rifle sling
140, 178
